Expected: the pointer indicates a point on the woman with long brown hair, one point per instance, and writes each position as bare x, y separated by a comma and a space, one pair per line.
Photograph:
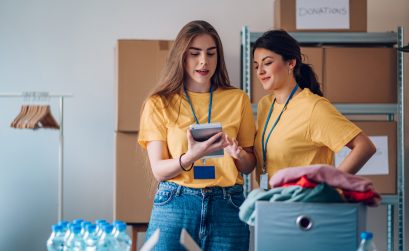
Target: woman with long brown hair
200, 196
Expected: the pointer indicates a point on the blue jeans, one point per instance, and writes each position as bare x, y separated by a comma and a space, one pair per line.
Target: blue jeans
209, 215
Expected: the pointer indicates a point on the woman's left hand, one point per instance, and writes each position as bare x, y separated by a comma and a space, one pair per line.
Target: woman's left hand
233, 148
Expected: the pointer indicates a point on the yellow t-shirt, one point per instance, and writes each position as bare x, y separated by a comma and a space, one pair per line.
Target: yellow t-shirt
231, 107
309, 132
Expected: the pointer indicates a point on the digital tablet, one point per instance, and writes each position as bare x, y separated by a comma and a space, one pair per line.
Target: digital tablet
202, 132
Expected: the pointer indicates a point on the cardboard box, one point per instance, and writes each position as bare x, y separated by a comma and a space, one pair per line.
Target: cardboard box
139, 64
311, 55
134, 183
285, 16
384, 184
360, 75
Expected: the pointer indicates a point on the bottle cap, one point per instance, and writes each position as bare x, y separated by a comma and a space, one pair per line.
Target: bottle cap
56, 228
91, 228
108, 228
366, 236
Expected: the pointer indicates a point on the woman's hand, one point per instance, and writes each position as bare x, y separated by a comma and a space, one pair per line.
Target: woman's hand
196, 150
233, 148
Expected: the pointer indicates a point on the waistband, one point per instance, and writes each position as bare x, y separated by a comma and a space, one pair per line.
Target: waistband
208, 190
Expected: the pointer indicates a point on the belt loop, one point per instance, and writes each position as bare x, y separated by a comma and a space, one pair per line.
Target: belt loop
224, 193
178, 190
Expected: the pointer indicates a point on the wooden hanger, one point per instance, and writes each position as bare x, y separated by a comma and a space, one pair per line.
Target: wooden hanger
23, 112
35, 116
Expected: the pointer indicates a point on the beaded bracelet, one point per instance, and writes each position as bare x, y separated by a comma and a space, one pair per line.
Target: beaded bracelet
180, 163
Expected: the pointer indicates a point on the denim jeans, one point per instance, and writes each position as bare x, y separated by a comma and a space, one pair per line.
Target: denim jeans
209, 215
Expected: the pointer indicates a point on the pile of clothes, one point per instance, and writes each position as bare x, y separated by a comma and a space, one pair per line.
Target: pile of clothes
316, 183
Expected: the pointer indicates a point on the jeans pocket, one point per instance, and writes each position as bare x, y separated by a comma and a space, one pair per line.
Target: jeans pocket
236, 200
163, 197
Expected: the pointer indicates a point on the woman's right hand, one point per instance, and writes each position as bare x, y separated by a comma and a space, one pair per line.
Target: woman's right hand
196, 150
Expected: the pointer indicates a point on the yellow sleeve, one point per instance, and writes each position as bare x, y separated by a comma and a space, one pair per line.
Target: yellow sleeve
329, 127
247, 130
152, 122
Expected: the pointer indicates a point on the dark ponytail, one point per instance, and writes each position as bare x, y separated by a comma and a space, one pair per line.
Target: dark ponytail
306, 77
280, 42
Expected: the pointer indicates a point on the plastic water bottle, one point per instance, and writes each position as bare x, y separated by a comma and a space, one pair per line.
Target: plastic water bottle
107, 242
75, 241
91, 238
124, 242
100, 228
56, 240
366, 242
84, 225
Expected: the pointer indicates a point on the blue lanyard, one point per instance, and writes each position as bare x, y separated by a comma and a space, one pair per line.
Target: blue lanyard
264, 143
209, 115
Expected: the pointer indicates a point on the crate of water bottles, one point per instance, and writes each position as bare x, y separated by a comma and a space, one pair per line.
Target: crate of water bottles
84, 235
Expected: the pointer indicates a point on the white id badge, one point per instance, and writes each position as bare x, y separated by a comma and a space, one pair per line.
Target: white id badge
264, 181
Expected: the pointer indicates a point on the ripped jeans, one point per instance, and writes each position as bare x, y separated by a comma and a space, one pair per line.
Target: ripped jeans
210, 215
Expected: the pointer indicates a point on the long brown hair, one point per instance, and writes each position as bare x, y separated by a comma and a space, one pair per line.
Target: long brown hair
173, 74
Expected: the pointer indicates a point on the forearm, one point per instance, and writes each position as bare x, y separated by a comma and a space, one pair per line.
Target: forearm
246, 162
169, 168
361, 152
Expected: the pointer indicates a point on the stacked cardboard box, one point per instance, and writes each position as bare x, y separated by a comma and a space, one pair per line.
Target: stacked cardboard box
139, 63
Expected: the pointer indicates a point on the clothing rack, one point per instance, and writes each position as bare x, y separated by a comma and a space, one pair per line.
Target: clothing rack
46, 95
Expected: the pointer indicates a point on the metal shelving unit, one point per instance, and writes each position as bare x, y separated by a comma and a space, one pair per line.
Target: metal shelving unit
392, 111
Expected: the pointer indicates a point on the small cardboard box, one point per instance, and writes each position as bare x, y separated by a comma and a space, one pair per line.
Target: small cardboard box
134, 182
360, 75
311, 55
285, 14
139, 64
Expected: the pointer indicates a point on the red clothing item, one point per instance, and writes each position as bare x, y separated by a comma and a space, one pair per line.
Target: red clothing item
322, 174
302, 182
369, 197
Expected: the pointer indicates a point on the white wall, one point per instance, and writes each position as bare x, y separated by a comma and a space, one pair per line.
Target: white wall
68, 47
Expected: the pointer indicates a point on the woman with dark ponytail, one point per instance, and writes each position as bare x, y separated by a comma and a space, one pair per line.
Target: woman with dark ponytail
297, 126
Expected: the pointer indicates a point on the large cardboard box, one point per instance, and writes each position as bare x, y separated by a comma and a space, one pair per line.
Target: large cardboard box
134, 183
285, 16
384, 184
360, 75
311, 55
139, 65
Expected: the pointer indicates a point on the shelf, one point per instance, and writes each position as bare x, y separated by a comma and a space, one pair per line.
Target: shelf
364, 109
394, 112
389, 199
367, 108
385, 38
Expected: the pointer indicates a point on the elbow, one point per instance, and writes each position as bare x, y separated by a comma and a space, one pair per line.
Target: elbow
157, 175
372, 149
159, 178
